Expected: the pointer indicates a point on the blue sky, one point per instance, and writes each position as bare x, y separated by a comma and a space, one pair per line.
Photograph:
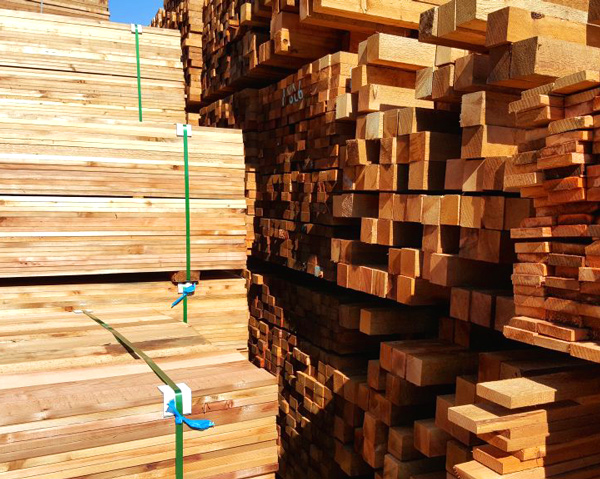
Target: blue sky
133, 11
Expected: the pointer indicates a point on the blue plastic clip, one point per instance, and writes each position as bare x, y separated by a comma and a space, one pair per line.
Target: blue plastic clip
188, 291
198, 424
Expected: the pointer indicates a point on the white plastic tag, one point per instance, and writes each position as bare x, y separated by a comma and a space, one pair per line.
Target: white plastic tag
181, 128
182, 286
169, 395
139, 28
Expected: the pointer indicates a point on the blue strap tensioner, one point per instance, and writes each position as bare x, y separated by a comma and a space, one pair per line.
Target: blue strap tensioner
188, 290
198, 424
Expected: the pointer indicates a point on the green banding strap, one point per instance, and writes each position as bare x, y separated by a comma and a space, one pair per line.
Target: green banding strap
139, 71
188, 240
132, 349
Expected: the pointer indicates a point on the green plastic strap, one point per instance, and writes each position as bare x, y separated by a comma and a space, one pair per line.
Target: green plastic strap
188, 241
139, 71
132, 349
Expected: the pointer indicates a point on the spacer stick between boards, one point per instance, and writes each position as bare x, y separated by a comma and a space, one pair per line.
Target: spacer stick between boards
134, 350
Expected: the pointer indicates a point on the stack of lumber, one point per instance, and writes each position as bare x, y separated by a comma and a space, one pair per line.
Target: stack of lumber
527, 416
218, 311
78, 404
240, 111
308, 29
186, 16
555, 280
92, 9
65, 235
355, 17
233, 32
406, 391
434, 218
514, 43
300, 146
85, 187
364, 383
318, 340
253, 43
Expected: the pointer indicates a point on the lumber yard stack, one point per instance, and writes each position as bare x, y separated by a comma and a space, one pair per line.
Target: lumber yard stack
92, 9
530, 418
82, 405
316, 360
463, 190
359, 376
293, 148
81, 172
299, 149
92, 194
218, 311
427, 183
254, 43
555, 278
186, 16
228, 34
233, 33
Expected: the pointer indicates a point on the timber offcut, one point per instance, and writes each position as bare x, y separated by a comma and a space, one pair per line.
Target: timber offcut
348, 239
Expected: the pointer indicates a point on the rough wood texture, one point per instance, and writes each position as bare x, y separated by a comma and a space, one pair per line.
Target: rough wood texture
557, 248
112, 425
532, 425
80, 173
92, 9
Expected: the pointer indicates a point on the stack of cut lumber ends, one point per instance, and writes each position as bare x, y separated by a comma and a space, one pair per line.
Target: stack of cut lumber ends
82, 405
527, 417
293, 41
234, 31
398, 436
240, 111
513, 44
318, 340
300, 144
85, 187
427, 185
92, 9
404, 397
308, 29
555, 281
353, 17
186, 16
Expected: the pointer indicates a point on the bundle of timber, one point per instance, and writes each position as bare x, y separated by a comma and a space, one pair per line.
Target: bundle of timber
555, 280
405, 392
79, 403
86, 187
518, 43
218, 311
186, 16
304, 30
359, 376
93, 9
234, 30
396, 17
434, 218
241, 111
300, 146
528, 416
312, 337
